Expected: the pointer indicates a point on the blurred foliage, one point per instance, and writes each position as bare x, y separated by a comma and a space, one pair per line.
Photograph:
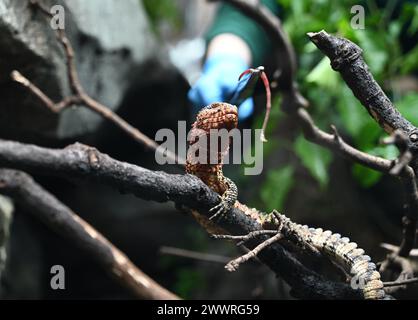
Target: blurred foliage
166, 11
188, 280
272, 195
389, 56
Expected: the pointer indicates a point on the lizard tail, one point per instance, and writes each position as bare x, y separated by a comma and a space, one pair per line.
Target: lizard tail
347, 255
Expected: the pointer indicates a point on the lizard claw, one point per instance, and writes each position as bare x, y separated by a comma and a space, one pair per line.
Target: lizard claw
219, 209
227, 200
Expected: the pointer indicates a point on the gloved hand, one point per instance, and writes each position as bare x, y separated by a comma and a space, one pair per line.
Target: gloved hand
217, 83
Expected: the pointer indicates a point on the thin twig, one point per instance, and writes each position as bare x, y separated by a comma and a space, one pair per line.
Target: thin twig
346, 58
403, 160
410, 217
395, 262
244, 238
393, 248
260, 73
65, 222
343, 54
80, 97
234, 264
80, 162
335, 143
268, 105
400, 140
400, 283
194, 255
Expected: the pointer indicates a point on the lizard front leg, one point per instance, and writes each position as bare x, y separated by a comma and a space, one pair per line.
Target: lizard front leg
228, 198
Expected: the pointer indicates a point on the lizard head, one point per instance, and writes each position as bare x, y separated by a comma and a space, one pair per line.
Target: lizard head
218, 115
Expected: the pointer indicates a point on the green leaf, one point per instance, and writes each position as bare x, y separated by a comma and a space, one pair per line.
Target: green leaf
368, 137
315, 158
410, 61
323, 76
276, 115
389, 152
413, 28
188, 280
374, 50
365, 176
163, 10
408, 106
353, 115
276, 187
368, 177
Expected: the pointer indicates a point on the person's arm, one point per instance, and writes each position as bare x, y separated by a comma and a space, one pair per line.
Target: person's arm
234, 43
231, 21
229, 44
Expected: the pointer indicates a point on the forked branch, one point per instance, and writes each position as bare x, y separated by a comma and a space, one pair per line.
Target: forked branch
80, 162
39, 202
80, 97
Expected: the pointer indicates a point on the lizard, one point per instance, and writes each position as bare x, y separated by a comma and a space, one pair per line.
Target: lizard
340, 250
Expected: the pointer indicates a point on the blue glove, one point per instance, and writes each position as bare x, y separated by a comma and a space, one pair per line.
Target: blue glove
217, 83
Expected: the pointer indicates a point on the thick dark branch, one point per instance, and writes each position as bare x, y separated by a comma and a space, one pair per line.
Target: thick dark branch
346, 58
62, 220
410, 218
82, 162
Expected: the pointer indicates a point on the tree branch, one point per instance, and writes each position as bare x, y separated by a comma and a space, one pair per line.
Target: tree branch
233, 265
200, 256
346, 58
65, 222
80, 97
82, 162
404, 267
400, 282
